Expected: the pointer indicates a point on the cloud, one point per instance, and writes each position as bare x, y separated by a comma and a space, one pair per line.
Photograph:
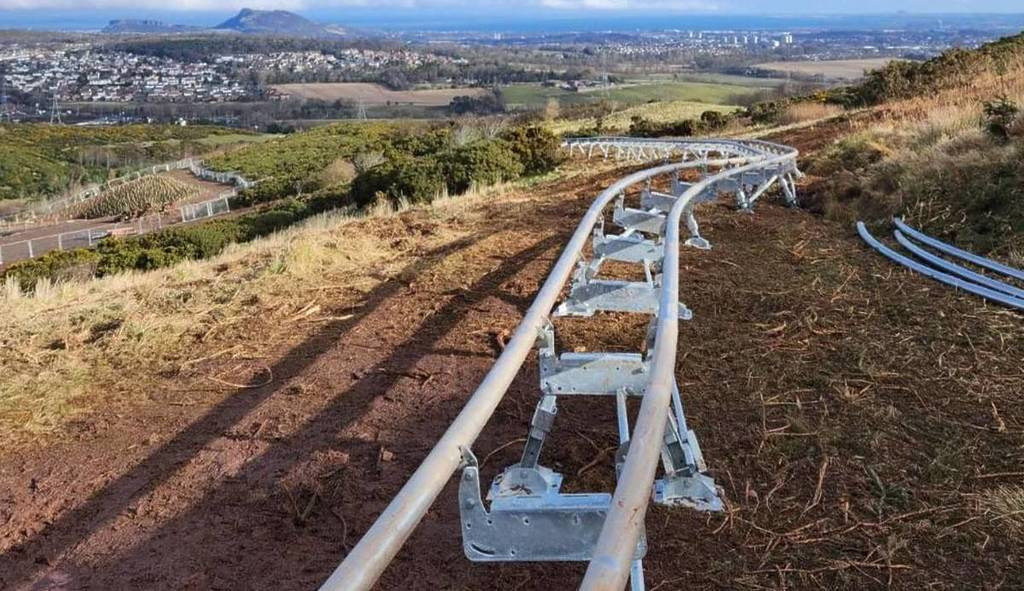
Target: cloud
223, 6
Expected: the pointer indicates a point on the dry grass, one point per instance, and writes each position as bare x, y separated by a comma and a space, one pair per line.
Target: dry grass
76, 346
808, 111
1006, 506
342, 170
931, 160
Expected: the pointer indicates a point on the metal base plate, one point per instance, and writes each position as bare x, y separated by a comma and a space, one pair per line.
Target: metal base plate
603, 295
530, 525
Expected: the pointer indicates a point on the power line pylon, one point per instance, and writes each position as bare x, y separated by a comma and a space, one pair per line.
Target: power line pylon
361, 112
55, 107
5, 109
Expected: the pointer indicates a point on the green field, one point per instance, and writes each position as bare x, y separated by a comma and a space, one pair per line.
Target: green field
532, 96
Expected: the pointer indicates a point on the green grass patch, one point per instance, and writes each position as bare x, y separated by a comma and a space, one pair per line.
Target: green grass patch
531, 96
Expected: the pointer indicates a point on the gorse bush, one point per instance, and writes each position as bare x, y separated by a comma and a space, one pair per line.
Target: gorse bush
538, 149
709, 122
419, 168
418, 180
55, 266
484, 162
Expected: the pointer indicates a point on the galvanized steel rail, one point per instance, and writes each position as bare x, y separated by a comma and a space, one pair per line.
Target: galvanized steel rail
744, 168
1001, 295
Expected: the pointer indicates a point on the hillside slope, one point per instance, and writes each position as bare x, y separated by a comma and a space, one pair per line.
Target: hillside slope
274, 22
240, 421
247, 433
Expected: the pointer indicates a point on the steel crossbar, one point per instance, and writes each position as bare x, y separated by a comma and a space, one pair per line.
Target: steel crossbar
611, 529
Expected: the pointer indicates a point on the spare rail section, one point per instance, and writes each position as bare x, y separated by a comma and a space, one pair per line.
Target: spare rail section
529, 519
946, 271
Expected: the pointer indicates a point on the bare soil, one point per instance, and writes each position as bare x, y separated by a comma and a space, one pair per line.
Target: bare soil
857, 418
829, 69
375, 94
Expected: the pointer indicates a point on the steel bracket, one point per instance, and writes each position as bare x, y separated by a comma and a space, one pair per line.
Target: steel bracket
663, 202
609, 295
650, 222
529, 519
629, 247
695, 491
596, 374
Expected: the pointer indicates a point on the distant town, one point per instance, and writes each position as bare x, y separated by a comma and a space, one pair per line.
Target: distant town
76, 73
139, 65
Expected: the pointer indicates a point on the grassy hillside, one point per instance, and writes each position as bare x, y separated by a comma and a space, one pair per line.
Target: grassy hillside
304, 174
950, 158
39, 160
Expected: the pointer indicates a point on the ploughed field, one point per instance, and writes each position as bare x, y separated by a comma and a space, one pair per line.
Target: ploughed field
828, 69
375, 94
864, 424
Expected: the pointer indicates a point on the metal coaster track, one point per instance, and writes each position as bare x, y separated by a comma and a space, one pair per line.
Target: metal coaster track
529, 519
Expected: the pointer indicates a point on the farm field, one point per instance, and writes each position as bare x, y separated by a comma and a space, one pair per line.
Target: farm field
375, 94
658, 112
830, 69
526, 96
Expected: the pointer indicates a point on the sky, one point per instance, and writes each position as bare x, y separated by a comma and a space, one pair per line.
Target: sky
549, 6
528, 15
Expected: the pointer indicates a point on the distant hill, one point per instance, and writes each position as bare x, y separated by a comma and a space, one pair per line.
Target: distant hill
146, 26
276, 22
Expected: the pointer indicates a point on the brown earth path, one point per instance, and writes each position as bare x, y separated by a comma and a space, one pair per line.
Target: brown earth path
857, 418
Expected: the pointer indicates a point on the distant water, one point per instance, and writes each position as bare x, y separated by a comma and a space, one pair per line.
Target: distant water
441, 20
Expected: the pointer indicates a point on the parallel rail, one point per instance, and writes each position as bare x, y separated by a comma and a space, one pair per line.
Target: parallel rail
744, 168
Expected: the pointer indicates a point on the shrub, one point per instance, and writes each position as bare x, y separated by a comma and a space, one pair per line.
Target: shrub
56, 265
1000, 115
484, 162
766, 112
713, 120
416, 179
539, 150
643, 127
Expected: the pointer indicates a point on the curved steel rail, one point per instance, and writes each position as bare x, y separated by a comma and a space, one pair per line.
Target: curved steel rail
957, 269
961, 254
610, 565
937, 275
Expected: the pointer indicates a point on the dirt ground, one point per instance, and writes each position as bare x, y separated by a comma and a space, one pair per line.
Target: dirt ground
829, 69
860, 420
375, 94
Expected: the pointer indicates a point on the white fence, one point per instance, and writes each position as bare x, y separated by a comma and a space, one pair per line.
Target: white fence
52, 210
207, 209
84, 238
88, 237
